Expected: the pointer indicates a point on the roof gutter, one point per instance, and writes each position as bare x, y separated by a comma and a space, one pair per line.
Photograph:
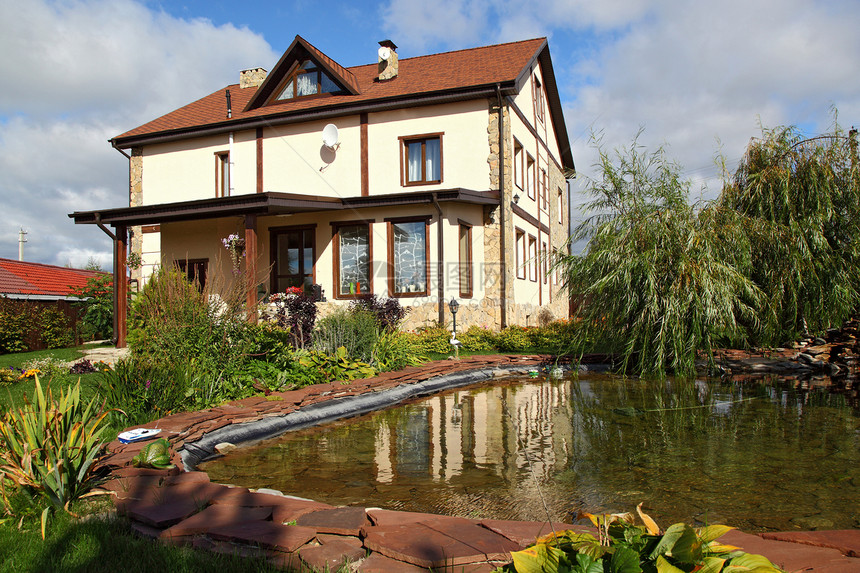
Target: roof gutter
301, 116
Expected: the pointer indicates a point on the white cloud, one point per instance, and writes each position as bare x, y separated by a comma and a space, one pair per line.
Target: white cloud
77, 73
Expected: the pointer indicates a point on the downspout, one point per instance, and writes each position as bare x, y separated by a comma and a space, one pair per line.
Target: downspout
503, 297
230, 165
440, 248
113, 144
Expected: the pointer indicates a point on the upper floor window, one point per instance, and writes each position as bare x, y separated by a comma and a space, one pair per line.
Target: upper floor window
518, 164
560, 206
422, 159
307, 79
538, 99
543, 203
222, 174
530, 177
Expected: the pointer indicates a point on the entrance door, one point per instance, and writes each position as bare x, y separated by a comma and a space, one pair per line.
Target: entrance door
293, 256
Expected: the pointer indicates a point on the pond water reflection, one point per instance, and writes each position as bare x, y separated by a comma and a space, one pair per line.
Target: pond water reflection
756, 455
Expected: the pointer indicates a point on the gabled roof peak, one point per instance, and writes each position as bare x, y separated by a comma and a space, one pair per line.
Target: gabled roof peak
300, 50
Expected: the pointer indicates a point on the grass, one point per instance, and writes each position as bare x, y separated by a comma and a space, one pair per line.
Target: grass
104, 544
13, 395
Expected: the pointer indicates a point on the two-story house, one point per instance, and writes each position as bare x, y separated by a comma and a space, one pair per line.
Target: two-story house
426, 179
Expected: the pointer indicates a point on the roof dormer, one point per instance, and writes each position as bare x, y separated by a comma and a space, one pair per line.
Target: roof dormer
303, 71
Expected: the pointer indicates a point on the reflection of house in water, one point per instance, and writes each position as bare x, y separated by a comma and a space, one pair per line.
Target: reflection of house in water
498, 430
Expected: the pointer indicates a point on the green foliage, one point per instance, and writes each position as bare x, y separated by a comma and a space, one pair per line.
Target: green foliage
174, 323
50, 448
514, 339
388, 311
622, 546
286, 373
556, 338
800, 200
14, 326
336, 366
477, 339
56, 328
97, 304
355, 330
395, 350
154, 455
432, 339
139, 391
657, 282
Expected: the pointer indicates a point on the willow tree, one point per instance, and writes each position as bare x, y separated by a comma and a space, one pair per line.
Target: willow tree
657, 285
800, 199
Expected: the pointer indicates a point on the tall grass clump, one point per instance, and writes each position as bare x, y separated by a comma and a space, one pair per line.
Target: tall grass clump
655, 280
800, 199
355, 330
173, 322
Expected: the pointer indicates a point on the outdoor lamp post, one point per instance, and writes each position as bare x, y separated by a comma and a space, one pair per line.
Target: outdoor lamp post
454, 306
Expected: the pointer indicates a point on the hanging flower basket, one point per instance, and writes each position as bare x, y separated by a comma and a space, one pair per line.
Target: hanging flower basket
235, 245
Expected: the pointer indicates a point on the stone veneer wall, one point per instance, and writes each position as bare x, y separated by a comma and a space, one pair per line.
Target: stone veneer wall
135, 199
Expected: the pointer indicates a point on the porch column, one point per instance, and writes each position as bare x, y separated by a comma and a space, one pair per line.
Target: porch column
251, 266
120, 286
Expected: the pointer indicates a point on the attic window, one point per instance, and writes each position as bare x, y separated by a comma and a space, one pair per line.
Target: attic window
307, 79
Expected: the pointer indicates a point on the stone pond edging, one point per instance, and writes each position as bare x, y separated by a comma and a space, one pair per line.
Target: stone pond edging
182, 507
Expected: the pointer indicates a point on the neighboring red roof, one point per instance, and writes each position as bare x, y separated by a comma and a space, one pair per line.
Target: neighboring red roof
18, 277
423, 75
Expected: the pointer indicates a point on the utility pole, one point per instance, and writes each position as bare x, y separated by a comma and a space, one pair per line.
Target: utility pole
21, 241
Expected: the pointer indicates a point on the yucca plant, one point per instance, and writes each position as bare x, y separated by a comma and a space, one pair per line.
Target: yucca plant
50, 447
627, 543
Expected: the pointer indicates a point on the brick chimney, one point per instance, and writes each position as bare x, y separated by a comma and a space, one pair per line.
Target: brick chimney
387, 65
252, 78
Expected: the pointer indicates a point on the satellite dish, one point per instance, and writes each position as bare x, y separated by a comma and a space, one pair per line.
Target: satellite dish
384, 53
330, 135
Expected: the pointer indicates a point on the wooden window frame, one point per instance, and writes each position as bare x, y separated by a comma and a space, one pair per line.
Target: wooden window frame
336, 227
390, 230
537, 94
467, 264
518, 164
222, 183
543, 201
543, 261
531, 169
520, 252
532, 258
405, 140
560, 206
273, 233
555, 270
294, 73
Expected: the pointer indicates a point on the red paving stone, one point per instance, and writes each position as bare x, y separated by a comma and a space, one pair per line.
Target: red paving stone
845, 540
340, 520
266, 534
234, 520
525, 533
420, 545
791, 556
331, 556
217, 516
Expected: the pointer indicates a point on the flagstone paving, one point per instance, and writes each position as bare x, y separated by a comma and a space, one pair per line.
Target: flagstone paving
184, 508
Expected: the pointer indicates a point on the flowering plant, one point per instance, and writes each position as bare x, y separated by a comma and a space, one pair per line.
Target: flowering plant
235, 245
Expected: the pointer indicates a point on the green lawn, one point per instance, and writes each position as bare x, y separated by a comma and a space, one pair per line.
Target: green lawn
13, 395
108, 544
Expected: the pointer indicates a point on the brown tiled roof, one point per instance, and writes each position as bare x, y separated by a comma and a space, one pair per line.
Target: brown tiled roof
18, 278
424, 75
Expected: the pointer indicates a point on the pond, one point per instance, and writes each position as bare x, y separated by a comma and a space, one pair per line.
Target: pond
758, 455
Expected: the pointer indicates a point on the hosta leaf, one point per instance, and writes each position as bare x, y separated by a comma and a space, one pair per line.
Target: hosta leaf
536, 559
711, 565
712, 532
663, 566
624, 560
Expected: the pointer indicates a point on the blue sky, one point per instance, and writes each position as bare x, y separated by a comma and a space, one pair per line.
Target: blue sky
699, 77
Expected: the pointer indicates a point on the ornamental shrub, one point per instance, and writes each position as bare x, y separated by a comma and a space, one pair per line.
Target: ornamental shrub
433, 339
97, 304
388, 311
514, 339
296, 311
14, 325
477, 339
355, 330
55, 328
